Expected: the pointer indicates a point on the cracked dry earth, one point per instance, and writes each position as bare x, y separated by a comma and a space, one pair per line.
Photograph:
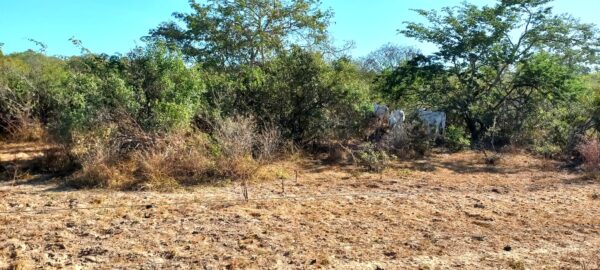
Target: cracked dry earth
442, 212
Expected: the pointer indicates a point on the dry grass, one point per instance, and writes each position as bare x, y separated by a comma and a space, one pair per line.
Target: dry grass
125, 157
452, 211
24, 130
176, 160
135, 160
172, 161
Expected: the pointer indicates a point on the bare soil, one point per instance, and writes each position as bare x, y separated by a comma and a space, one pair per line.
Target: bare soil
444, 211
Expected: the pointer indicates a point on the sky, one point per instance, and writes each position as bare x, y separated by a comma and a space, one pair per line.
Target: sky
116, 26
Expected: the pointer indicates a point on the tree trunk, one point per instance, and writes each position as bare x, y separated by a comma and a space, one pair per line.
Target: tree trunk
473, 130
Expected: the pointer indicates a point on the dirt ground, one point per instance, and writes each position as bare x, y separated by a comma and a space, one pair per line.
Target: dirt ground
441, 212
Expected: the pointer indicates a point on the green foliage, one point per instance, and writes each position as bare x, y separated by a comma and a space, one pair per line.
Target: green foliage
313, 100
456, 139
169, 93
28, 83
253, 65
594, 82
152, 87
495, 64
373, 159
306, 97
222, 33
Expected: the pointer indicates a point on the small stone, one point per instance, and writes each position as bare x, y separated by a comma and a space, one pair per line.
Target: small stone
478, 237
390, 254
507, 248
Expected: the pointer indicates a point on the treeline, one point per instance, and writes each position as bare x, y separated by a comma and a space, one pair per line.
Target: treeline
235, 84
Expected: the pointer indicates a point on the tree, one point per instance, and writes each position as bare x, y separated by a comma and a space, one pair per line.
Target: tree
225, 33
306, 97
28, 83
388, 56
496, 61
151, 86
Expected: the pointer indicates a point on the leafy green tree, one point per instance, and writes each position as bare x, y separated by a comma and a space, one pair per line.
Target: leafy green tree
312, 99
169, 92
28, 83
494, 61
300, 92
594, 96
152, 86
225, 33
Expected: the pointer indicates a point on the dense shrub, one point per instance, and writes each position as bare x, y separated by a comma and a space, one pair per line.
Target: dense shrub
171, 161
152, 86
28, 83
307, 98
456, 138
408, 140
373, 159
154, 118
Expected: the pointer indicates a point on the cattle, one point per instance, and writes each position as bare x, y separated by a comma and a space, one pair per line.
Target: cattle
433, 119
380, 111
396, 118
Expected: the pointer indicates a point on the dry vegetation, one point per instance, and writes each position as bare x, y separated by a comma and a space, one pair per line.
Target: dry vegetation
590, 151
443, 211
270, 148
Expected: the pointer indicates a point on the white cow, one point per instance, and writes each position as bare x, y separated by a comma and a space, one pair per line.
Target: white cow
435, 119
380, 111
396, 118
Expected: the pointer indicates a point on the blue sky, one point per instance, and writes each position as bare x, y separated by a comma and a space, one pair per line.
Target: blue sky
115, 26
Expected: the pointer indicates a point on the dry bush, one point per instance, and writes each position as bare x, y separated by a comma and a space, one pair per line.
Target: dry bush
24, 130
123, 156
171, 161
408, 140
339, 153
96, 154
56, 161
589, 149
175, 160
372, 158
237, 168
98, 175
397, 139
268, 143
236, 136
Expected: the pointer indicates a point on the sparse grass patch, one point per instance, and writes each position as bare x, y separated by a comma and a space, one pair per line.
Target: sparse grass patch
516, 264
272, 172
